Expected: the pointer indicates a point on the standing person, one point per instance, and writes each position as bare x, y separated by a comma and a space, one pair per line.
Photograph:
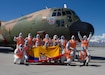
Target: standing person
84, 46
30, 41
69, 51
55, 41
19, 39
26, 47
73, 43
20, 54
47, 40
38, 41
63, 42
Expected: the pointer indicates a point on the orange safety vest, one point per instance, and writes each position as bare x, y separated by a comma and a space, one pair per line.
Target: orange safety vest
55, 41
30, 41
26, 48
67, 53
20, 41
72, 43
84, 43
46, 40
19, 53
64, 43
34, 40
39, 41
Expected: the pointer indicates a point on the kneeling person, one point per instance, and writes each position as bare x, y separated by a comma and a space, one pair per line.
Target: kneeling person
20, 54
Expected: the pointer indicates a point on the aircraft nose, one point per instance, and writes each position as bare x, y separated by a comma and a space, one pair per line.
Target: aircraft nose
84, 28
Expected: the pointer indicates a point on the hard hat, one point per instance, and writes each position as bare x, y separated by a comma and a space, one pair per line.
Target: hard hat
62, 37
84, 37
29, 35
37, 36
72, 37
20, 34
46, 36
55, 37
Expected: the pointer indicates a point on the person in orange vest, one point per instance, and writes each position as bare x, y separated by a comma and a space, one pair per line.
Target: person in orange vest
26, 47
69, 53
19, 39
84, 46
20, 54
30, 40
34, 40
47, 40
73, 42
63, 42
38, 41
55, 41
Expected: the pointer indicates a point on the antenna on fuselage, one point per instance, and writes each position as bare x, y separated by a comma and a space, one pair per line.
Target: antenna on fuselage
65, 5
46, 7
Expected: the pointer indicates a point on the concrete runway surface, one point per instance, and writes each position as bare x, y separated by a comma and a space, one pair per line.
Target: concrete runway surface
96, 65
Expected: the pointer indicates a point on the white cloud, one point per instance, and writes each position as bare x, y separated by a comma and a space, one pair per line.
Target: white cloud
98, 38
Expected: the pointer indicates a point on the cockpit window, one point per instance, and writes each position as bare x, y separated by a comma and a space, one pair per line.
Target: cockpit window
59, 14
54, 14
73, 12
68, 12
55, 10
59, 9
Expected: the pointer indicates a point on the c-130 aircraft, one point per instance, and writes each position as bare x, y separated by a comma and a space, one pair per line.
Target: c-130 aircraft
59, 21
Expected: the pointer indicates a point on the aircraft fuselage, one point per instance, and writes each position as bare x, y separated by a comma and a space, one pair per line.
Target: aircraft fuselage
52, 21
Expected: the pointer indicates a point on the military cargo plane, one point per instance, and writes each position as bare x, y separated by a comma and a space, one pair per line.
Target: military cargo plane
59, 21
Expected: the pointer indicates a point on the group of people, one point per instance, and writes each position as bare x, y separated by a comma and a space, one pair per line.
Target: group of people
68, 48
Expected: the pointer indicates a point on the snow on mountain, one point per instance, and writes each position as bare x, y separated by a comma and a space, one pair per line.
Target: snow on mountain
98, 40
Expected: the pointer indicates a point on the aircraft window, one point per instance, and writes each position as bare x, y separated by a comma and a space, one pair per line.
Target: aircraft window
54, 14
55, 10
59, 9
62, 22
58, 23
59, 14
69, 19
63, 13
73, 12
68, 12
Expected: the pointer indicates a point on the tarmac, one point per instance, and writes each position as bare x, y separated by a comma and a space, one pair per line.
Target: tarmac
95, 67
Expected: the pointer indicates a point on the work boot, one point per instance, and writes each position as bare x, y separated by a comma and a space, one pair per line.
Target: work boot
68, 64
14, 62
21, 63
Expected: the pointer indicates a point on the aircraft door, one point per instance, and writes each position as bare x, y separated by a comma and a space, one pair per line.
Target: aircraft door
41, 33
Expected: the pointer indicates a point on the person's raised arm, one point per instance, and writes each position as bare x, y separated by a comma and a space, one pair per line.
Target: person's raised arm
90, 35
79, 35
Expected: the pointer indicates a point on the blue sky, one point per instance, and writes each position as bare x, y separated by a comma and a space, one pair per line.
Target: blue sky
92, 11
